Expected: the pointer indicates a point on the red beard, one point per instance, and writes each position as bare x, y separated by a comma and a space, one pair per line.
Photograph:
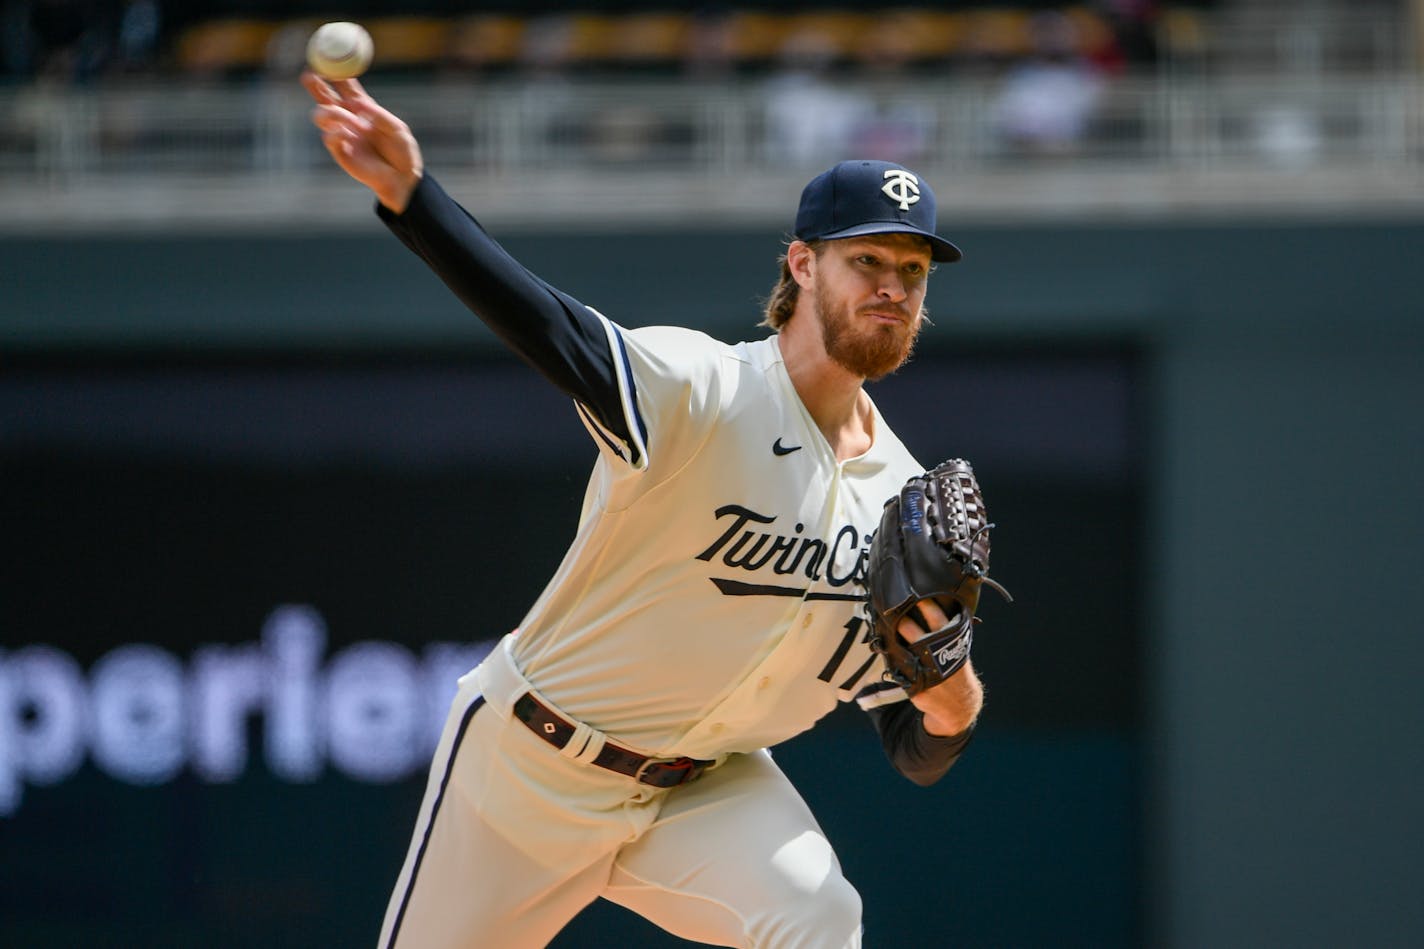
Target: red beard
868, 349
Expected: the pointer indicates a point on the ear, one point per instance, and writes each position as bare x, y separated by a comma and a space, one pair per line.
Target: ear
801, 261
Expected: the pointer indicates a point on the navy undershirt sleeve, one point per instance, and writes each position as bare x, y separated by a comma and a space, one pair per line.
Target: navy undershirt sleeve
915, 753
546, 327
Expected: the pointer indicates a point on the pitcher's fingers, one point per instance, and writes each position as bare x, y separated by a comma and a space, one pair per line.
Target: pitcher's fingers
340, 143
381, 119
934, 619
331, 117
351, 90
934, 614
319, 88
355, 97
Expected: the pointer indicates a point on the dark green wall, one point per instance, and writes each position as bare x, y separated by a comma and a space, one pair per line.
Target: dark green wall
1281, 403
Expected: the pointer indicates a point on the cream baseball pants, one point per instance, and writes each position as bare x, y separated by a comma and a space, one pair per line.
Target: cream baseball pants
513, 839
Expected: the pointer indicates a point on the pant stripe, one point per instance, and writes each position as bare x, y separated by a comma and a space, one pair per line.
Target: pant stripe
430, 822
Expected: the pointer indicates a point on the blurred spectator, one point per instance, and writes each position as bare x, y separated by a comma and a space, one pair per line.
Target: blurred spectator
70, 40
1047, 100
140, 25
77, 40
1132, 25
990, 46
810, 120
893, 129
16, 39
710, 44
548, 44
1289, 136
287, 50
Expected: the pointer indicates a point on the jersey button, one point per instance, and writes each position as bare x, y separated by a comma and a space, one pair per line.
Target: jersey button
765, 681
717, 727
806, 623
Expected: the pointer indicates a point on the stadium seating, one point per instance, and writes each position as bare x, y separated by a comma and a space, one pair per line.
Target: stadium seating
745, 40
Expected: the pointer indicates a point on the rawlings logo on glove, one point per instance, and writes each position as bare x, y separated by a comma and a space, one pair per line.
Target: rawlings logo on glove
932, 544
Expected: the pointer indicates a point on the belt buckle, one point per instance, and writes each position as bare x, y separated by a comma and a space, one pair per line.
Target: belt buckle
682, 770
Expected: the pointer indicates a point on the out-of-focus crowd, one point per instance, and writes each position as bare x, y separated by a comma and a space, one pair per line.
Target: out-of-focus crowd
78, 40
86, 40
1051, 63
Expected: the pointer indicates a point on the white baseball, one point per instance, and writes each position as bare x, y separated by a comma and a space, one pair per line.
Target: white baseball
340, 50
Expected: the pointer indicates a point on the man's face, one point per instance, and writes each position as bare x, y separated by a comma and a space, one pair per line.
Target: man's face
869, 295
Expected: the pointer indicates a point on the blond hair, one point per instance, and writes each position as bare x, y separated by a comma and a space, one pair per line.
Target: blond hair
781, 304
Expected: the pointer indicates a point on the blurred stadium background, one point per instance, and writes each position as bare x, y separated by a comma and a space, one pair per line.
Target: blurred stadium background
264, 487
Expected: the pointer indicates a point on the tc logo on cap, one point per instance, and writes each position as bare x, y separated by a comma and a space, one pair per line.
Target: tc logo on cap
862, 197
901, 186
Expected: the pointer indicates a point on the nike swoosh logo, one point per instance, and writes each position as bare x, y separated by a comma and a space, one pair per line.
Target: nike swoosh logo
779, 449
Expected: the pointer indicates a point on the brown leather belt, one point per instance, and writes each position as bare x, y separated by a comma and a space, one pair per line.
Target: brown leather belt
557, 731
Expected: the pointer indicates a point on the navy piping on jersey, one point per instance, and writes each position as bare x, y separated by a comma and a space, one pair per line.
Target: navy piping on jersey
475, 706
632, 389
598, 430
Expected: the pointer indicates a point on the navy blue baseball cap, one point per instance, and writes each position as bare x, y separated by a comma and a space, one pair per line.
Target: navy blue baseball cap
856, 198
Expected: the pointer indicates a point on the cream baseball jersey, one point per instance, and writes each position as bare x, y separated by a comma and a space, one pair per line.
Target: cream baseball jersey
711, 601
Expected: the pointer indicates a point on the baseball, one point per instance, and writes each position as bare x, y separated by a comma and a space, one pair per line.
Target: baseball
340, 50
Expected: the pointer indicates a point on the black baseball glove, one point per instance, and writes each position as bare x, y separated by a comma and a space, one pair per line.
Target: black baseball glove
932, 544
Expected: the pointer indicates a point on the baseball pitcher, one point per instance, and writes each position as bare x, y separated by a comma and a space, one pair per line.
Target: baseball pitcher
755, 545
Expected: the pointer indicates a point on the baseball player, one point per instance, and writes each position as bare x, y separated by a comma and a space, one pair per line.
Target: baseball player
710, 605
